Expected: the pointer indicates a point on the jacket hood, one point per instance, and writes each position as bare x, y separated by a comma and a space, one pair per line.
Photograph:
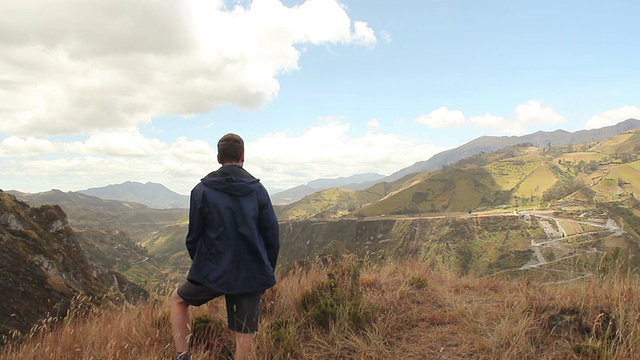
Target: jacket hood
231, 179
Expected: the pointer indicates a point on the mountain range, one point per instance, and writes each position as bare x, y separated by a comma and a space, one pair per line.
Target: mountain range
153, 195
483, 144
353, 182
516, 176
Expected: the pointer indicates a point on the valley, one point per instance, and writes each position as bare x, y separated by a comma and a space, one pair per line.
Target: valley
518, 211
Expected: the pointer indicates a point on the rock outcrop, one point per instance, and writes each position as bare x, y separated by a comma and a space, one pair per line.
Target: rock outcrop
44, 268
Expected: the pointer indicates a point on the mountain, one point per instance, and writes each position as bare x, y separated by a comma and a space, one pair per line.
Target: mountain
517, 176
354, 182
44, 267
483, 144
153, 195
291, 195
90, 212
493, 143
333, 202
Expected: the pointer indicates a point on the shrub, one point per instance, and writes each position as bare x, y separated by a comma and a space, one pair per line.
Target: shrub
209, 334
337, 298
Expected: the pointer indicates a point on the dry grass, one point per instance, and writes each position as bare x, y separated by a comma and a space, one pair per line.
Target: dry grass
352, 310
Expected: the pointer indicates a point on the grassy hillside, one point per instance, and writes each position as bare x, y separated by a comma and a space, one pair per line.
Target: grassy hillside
539, 244
334, 202
168, 246
397, 310
113, 250
521, 176
454, 189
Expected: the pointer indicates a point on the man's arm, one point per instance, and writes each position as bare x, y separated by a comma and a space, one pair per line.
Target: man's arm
269, 229
196, 223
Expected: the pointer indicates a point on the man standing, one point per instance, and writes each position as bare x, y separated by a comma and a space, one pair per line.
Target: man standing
233, 242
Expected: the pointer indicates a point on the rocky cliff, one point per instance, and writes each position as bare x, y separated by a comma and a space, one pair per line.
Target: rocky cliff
44, 267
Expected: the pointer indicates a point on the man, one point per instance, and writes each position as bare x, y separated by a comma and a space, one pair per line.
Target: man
233, 242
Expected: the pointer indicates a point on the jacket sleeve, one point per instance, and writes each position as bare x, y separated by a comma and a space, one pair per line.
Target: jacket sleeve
196, 223
269, 229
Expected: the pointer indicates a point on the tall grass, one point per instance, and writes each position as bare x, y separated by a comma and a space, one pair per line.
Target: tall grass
350, 309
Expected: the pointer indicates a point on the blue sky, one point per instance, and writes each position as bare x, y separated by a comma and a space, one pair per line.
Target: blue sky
97, 92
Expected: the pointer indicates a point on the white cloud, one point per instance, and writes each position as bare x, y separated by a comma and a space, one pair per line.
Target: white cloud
442, 118
74, 66
612, 117
280, 160
14, 146
532, 112
116, 143
105, 158
328, 151
527, 114
363, 34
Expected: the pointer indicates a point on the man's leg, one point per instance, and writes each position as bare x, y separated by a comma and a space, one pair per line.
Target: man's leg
244, 346
180, 322
242, 315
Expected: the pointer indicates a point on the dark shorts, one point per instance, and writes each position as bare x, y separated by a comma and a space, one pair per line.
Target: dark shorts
242, 309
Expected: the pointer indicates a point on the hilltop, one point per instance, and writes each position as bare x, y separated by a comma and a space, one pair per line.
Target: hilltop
354, 182
347, 309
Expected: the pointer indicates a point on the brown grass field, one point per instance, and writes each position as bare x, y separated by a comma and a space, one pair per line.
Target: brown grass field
353, 310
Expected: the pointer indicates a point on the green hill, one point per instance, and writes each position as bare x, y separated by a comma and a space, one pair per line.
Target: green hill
334, 202
521, 176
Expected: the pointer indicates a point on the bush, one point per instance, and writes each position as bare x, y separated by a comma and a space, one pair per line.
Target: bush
209, 334
337, 299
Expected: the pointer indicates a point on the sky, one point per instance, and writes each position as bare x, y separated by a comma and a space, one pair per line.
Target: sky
99, 92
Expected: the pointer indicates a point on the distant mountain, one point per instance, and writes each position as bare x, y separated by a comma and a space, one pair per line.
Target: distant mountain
516, 176
354, 182
483, 144
91, 212
540, 139
153, 195
44, 267
291, 195
333, 202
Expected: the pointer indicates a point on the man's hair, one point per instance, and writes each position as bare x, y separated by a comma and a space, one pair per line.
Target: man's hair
230, 149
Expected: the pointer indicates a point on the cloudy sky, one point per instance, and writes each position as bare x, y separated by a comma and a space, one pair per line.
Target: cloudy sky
98, 92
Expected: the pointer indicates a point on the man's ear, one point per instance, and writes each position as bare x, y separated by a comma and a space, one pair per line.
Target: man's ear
242, 159
219, 161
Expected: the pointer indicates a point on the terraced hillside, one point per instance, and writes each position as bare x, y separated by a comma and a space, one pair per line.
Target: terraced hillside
522, 176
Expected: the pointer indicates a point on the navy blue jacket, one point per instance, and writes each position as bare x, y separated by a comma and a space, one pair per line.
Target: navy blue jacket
233, 237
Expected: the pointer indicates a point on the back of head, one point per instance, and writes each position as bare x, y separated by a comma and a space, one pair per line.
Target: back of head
230, 149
